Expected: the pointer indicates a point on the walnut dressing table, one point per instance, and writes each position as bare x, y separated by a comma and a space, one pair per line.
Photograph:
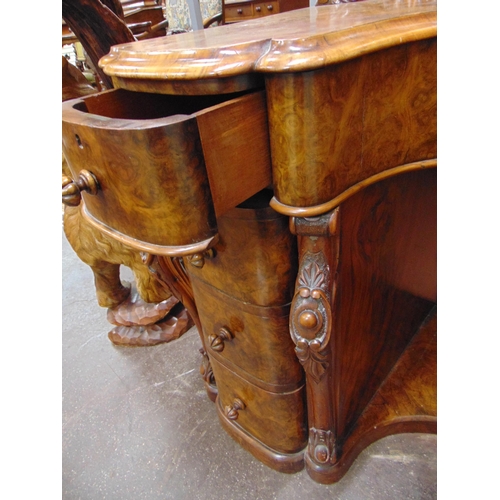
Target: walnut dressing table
280, 176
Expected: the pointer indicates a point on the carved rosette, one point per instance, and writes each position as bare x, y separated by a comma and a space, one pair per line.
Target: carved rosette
310, 319
321, 446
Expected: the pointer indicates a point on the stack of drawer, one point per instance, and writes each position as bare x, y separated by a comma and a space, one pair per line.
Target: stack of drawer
241, 11
244, 10
243, 296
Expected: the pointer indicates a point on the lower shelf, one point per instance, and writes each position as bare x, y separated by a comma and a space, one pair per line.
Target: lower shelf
405, 402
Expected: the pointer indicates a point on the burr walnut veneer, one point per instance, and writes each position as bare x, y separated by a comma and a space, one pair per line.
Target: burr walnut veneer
280, 177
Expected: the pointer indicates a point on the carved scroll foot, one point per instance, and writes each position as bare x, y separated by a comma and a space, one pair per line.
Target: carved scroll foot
140, 323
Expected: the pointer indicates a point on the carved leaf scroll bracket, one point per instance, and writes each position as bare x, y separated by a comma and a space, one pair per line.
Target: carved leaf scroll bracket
311, 327
310, 321
311, 316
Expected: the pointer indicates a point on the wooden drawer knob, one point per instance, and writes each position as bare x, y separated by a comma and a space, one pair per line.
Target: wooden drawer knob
269, 7
198, 259
72, 190
217, 341
240, 11
232, 411
258, 9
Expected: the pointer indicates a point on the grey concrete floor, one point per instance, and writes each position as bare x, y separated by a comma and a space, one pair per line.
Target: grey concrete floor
137, 424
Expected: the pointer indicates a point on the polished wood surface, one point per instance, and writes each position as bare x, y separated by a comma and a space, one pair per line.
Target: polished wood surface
301, 40
187, 136
350, 93
365, 116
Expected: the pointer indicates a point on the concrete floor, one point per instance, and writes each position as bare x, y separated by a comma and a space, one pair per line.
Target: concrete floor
137, 424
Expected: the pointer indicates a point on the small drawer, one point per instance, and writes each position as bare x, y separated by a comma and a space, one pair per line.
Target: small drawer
164, 164
278, 420
266, 9
256, 258
251, 340
238, 12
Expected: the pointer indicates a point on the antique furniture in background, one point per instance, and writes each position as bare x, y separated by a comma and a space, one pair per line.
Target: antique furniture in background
244, 10
328, 114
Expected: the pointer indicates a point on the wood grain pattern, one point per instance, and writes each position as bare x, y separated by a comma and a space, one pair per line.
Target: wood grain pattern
195, 149
125, 154
253, 309
351, 101
300, 40
235, 140
283, 462
282, 412
375, 318
362, 117
244, 236
367, 281
405, 402
260, 349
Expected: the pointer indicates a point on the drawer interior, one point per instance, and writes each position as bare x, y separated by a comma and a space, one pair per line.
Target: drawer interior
126, 105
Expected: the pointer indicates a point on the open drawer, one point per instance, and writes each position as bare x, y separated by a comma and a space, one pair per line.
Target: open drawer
163, 166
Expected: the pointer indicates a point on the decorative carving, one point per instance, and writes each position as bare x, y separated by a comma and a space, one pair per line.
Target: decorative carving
321, 446
310, 320
171, 271
206, 369
232, 411
139, 323
217, 341
311, 327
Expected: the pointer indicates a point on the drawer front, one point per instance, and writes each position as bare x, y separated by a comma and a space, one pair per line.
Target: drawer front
256, 256
279, 420
250, 340
146, 180
239, 12
266, 9
148, 162
165, 164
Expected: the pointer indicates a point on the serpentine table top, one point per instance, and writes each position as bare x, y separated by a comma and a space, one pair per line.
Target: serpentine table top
233, 57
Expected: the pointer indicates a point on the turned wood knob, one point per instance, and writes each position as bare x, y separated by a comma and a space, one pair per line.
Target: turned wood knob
72, 189
232, 411
198, 259
217, 341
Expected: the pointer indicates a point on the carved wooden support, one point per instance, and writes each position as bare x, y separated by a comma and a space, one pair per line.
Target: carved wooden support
171, 271
207, 374
139, 323
311, 329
